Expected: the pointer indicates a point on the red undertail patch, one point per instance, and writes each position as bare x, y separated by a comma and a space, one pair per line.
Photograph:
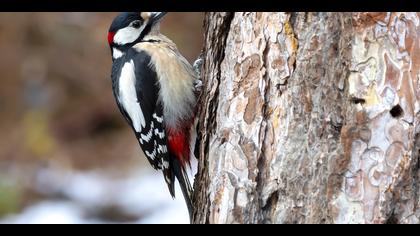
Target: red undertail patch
179, 145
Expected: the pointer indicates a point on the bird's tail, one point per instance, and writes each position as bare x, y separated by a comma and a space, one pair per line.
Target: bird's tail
184, 182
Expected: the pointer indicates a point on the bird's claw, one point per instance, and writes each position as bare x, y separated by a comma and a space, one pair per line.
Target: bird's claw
198, 83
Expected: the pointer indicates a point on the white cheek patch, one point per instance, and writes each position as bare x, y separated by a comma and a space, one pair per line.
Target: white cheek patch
127, 35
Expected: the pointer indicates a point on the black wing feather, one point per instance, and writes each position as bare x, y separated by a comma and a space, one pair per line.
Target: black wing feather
153, 137
147, 88
147, 91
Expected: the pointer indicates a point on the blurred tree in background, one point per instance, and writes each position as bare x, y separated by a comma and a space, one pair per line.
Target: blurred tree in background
57, 109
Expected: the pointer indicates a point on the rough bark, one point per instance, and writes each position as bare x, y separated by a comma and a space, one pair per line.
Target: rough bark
309, 118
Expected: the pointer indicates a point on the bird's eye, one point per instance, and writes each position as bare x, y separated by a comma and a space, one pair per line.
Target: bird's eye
136, 24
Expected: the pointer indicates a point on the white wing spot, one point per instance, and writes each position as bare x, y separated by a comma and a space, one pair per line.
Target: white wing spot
148, 136
167, 179
128, 96
162, 149
165, 164
160, 134
151, 155
158, 118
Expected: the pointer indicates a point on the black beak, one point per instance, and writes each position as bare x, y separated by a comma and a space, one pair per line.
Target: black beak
155, 17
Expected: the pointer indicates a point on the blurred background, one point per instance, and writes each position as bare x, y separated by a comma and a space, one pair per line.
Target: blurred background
66, 154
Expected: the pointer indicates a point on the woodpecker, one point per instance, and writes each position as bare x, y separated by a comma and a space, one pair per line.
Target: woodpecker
154, 88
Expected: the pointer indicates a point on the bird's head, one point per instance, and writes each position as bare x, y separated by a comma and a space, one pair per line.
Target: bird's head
129, 28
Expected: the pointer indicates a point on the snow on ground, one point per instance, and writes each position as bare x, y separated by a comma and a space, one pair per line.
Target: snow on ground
143, 195
48, 212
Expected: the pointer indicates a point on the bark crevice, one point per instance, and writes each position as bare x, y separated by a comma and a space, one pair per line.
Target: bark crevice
216, 34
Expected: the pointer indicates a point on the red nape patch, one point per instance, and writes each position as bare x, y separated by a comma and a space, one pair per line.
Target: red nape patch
178, 145
111, 37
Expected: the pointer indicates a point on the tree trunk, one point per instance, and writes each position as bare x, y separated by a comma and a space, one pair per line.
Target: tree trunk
309, 118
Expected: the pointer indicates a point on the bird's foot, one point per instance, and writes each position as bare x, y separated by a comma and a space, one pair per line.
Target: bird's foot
198, 66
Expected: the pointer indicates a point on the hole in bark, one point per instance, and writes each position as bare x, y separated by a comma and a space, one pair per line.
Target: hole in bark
396, 111
392, 219
357, 100
337, 126
271, 201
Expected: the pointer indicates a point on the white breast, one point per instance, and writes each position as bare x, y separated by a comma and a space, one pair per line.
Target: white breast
176, 80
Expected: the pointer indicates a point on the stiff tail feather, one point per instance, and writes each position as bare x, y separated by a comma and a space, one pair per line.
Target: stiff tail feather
184, 183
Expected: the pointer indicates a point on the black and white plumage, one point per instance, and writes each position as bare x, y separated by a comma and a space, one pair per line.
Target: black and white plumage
154, 89
136, 91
